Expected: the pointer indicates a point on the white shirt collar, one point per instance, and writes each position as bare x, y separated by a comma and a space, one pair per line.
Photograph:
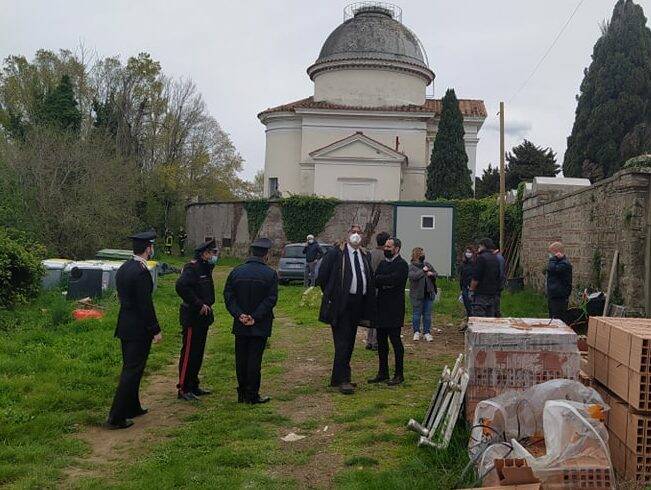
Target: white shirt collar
139, 259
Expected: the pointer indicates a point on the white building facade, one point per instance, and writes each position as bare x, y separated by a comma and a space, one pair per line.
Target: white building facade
367, 132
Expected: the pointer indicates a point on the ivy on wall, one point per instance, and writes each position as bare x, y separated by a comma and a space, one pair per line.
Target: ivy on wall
256, 212
304, 215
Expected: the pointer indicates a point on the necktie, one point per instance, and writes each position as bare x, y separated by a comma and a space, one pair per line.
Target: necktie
358, 273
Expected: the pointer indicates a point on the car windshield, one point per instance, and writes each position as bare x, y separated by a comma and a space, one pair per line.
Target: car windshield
294, 252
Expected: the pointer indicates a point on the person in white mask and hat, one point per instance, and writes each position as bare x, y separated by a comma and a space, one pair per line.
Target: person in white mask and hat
346, 279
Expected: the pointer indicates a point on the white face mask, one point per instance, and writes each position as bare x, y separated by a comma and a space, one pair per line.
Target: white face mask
355, 239
468, 255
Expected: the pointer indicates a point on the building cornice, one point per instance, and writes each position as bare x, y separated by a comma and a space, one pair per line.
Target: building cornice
371, 64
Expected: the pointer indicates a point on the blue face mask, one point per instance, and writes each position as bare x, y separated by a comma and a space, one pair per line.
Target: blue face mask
151, 254
213, 260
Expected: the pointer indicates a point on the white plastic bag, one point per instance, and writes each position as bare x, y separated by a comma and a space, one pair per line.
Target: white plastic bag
519, 414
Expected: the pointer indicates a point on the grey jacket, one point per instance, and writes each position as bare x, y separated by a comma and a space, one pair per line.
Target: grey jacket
419, 283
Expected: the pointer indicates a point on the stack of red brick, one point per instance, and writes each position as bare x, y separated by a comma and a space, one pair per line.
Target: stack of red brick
515, 354
619, 367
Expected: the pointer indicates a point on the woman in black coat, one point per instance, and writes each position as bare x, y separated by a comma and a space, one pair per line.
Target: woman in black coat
390, 280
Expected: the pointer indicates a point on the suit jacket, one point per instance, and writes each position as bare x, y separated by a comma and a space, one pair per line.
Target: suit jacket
390, 279
334, 279
137, 317
252, 289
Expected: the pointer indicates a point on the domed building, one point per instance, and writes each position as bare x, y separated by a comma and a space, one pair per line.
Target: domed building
367, 132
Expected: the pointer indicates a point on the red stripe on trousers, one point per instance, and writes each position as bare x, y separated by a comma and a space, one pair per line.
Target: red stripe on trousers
186, 356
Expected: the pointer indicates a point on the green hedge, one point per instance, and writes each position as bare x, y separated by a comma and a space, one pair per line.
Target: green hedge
480, 218
20, 268
304, 215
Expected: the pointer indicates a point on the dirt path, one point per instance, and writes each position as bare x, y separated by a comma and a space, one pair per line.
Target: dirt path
110, 447
310, 404
300, 393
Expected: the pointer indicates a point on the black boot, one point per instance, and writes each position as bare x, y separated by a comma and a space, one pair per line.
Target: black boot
397, 379
379, 378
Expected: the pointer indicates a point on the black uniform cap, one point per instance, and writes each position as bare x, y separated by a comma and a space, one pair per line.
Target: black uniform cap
264, 243
209, 245
144, 237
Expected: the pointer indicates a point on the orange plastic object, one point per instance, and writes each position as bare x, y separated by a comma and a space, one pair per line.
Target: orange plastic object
86, 314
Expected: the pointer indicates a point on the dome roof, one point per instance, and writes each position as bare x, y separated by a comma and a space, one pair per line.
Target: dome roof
372, 33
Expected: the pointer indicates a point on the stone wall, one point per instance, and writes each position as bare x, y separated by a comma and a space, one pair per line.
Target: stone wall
227, 222
592, 223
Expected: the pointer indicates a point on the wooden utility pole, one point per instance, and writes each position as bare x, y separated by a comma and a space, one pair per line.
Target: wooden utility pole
502, 178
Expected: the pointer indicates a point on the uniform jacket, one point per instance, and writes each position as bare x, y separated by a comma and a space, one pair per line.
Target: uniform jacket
196, 288
137, 317
252, 289
487, 274
420, 283
312, 251
559, 278
390, 280
334, 279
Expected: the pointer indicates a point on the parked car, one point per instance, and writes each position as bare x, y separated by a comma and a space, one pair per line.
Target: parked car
292, 262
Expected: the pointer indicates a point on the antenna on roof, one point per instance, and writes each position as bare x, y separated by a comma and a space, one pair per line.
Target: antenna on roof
385, 8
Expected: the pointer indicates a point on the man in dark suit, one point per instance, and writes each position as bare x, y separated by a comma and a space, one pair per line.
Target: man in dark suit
390, 280
137, 327
250, 293
346, 279
196, 288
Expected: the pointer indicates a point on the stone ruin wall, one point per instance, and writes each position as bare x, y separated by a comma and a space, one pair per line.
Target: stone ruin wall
227, 222
592, 223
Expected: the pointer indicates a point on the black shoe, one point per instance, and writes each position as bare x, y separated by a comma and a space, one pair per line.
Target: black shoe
120, 424
201, 392
396, 380
346, 389
378, 379
142, 411
258, 399
188, 397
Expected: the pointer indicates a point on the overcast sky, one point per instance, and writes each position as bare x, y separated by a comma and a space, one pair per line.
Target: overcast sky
246, 55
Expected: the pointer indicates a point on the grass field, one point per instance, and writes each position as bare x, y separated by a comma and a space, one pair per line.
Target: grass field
57, 379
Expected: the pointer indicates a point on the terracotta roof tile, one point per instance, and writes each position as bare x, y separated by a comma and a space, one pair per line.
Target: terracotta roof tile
468, 107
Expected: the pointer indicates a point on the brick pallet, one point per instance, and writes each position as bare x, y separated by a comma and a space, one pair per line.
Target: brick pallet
619, 365
619, 357
515, 354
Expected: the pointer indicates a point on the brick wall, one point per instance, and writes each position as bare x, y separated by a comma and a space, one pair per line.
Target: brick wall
592, 222
228, 224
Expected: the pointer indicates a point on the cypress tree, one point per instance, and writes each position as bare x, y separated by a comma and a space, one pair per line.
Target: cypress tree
614, 104
59, 108
448, 175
